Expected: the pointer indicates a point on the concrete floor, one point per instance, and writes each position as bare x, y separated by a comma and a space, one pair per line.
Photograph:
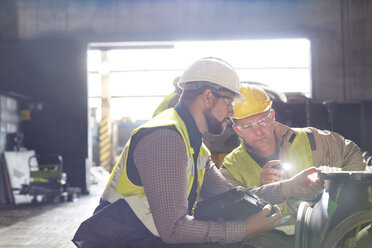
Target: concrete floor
46, 225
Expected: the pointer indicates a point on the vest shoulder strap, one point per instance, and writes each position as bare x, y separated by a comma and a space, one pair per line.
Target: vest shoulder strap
310, 136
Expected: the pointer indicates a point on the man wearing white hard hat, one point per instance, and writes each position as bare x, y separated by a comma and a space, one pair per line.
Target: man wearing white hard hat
165, 168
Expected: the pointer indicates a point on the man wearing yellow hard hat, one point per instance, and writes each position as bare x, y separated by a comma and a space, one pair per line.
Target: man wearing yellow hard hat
266, 143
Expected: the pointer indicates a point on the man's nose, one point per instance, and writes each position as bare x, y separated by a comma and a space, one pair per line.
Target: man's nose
257, 129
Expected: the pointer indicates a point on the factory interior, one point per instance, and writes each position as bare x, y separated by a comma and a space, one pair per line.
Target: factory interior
77, 77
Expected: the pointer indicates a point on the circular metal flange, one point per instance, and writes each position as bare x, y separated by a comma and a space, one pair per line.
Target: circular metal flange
302, 225
348, 224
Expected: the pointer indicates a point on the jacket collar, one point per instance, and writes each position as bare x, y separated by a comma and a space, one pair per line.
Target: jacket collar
282, 133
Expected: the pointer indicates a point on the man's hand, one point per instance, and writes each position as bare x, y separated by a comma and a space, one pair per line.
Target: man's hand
260, 222
301, 186
269, 174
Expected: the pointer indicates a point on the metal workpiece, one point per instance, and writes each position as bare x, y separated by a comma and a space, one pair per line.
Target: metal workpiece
369, 189
302, 230
343, 211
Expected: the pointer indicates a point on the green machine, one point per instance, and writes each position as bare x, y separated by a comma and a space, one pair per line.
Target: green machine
48, 181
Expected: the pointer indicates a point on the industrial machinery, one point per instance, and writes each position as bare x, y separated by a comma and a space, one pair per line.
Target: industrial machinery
47, 180
344, 210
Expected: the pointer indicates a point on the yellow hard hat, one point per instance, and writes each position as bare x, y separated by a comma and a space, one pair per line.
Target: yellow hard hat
256, 102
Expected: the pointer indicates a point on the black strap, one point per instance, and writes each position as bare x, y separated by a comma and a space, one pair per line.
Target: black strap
310, 137
195, 142
291, 139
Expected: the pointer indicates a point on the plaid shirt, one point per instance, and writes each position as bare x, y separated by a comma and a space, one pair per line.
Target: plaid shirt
160, 158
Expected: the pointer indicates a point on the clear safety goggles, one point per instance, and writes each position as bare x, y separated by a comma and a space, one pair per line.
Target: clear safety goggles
260, 123
229, 101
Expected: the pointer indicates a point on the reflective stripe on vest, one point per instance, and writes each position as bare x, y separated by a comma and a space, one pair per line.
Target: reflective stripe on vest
119, 185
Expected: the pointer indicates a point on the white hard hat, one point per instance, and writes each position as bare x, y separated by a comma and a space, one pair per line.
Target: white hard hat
215, 71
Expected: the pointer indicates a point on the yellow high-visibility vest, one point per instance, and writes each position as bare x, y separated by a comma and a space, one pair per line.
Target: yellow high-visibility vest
120, 186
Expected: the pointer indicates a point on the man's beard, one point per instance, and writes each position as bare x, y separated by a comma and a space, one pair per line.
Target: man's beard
213, 125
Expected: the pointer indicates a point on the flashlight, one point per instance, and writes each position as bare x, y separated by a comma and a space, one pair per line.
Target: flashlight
282, 166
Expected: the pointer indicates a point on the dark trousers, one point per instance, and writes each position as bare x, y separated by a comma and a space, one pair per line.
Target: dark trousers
114, 225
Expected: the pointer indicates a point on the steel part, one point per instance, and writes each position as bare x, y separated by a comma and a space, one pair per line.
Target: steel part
347, 225
345, 189
301, 226
336, 219
342, 176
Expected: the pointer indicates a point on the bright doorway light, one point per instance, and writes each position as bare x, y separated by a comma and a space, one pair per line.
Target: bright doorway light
141, 74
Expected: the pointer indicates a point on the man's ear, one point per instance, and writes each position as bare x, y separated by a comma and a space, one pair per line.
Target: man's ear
207, 97
273, 114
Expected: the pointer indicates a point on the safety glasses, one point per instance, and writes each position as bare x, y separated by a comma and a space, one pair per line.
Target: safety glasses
229, 101
260, 123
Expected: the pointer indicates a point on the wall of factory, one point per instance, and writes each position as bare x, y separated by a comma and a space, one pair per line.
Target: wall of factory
338, 29
52, 86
